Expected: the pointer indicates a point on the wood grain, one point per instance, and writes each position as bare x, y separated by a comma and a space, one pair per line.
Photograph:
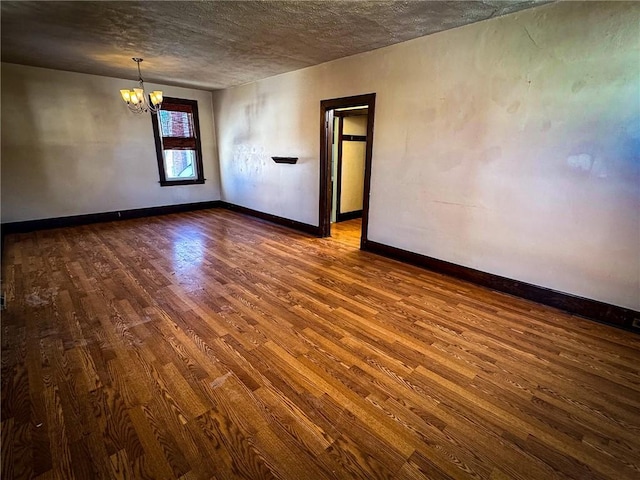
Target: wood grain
210, 344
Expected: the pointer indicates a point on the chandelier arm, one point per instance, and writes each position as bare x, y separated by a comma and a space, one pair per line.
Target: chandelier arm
135, 108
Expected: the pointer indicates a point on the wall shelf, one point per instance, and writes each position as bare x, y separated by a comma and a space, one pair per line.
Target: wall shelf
290, 160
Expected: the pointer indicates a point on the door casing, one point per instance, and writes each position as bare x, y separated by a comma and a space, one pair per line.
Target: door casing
326, 134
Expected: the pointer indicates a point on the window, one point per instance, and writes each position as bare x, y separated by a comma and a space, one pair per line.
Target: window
177, 133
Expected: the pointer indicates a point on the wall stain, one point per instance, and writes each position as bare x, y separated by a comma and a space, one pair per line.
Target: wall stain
577, 86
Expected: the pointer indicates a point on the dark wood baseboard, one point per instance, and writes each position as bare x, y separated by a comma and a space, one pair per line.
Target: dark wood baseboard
343, 217
76, 220
585, 307
286, 222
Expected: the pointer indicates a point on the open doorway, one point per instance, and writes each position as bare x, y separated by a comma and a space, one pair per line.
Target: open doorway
347, 163
346, 140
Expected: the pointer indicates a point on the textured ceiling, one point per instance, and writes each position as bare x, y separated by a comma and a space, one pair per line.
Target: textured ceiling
217, 44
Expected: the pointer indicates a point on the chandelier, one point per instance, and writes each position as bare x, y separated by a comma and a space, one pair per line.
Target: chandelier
137, 100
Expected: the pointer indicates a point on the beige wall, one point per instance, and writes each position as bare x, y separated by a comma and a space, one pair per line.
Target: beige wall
70, 147
509, 146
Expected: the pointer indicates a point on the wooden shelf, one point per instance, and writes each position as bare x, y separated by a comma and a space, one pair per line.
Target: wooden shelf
290, 160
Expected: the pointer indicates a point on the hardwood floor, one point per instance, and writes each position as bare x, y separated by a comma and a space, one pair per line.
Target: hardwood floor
213, 345
347, 232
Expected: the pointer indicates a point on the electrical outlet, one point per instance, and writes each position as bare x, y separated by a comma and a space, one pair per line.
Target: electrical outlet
636, 323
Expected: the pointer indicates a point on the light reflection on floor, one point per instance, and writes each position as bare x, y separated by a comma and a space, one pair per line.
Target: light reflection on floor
189, 250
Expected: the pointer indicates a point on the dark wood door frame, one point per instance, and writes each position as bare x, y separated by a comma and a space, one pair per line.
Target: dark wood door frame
326, 128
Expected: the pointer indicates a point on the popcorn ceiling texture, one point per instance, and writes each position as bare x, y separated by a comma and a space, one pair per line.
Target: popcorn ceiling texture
215, 45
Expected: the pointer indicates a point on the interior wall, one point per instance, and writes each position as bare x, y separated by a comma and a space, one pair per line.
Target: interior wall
510, 146
71, 147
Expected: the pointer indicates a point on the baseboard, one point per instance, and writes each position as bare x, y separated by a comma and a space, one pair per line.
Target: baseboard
585, 307
286, 222
76, 220
343, 217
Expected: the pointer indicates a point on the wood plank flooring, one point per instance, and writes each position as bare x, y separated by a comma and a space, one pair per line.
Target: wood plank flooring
211, 345
347, 232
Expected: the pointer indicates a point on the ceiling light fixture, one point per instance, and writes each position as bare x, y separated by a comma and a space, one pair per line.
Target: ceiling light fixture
137, 100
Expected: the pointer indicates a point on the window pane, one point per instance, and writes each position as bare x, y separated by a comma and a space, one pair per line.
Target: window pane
176, 124
180, 164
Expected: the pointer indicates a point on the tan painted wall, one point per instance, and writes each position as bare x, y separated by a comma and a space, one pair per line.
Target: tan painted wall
71, 147
509, 146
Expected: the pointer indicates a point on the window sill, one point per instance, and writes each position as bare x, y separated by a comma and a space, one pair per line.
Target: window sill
171, 183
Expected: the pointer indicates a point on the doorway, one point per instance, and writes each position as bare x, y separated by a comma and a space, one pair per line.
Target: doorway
335, 202
347, 163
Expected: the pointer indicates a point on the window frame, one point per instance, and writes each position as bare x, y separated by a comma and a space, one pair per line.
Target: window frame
190, 106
